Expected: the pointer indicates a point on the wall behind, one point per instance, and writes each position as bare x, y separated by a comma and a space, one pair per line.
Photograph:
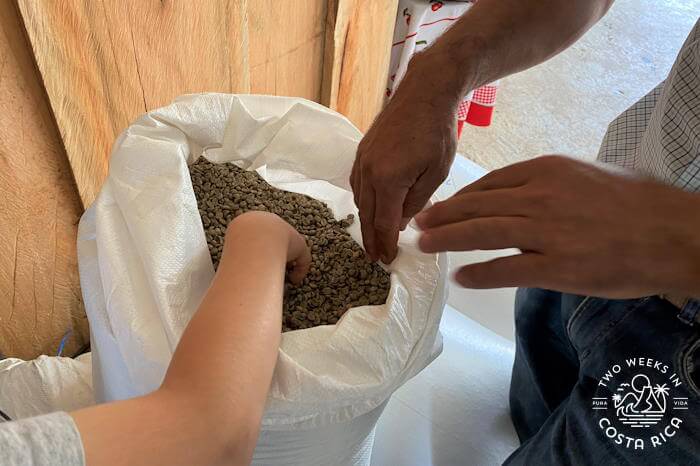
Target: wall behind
75, 73
104, 62
39, 210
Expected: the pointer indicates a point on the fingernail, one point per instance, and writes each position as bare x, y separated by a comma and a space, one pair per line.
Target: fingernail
423, 242
462, 279
420, 219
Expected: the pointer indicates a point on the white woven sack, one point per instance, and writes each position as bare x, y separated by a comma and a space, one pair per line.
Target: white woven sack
144, 267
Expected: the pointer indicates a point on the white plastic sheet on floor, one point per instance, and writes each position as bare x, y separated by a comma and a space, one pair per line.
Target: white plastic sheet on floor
144, 267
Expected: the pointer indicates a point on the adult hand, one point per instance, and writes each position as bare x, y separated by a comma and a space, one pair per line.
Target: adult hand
401, 161
581, 229
408, 151
265, 224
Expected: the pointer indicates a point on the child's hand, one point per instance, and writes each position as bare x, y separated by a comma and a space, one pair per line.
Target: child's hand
266, 226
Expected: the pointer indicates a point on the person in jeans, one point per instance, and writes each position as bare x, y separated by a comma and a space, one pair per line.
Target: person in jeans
606, 366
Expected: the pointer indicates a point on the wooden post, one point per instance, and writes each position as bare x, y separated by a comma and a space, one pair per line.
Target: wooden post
39, 287
356, 59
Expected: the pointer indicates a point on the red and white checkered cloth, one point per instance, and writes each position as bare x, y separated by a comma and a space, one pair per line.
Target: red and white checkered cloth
418, 24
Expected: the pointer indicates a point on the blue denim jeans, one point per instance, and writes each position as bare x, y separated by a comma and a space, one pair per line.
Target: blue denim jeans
605, 382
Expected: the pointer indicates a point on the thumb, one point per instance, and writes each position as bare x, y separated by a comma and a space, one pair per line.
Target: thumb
299, 264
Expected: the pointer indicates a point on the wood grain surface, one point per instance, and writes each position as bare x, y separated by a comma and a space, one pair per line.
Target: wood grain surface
105, 62
286, 40
338, 15
39, 287
357, 54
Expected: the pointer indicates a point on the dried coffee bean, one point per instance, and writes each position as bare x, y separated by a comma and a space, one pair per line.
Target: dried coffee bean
340, 275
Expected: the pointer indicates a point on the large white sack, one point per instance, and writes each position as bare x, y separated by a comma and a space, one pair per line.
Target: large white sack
44, 385
145, 265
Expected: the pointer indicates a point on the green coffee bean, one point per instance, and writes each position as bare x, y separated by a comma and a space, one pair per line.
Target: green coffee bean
340, 275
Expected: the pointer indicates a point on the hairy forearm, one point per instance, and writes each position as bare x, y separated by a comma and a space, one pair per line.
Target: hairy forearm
496, 38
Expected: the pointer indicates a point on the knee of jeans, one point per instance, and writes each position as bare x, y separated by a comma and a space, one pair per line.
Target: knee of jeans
533, 306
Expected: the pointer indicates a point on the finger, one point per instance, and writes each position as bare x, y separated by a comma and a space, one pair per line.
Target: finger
355, 181
481, 233
387, 220
367, 219
419, 194
300, 267
495, 203
511, 176
527, 270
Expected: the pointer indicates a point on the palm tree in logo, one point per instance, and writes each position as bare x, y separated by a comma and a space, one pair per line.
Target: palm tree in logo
661, 393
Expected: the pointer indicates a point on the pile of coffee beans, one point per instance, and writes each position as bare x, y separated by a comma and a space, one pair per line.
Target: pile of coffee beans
340, 277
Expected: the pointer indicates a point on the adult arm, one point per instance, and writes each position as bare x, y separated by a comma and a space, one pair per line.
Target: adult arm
401, 160
209, 406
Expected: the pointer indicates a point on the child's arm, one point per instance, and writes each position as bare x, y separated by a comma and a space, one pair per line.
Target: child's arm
209, 406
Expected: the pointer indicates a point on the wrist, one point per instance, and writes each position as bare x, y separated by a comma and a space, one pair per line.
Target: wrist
685, 243
423, 87
444, 73
690, 265
686, 282
254, 233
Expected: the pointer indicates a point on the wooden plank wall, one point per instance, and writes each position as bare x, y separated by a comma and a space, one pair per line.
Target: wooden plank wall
286, 40
356, 59
39, 211
75, 73
105, 62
